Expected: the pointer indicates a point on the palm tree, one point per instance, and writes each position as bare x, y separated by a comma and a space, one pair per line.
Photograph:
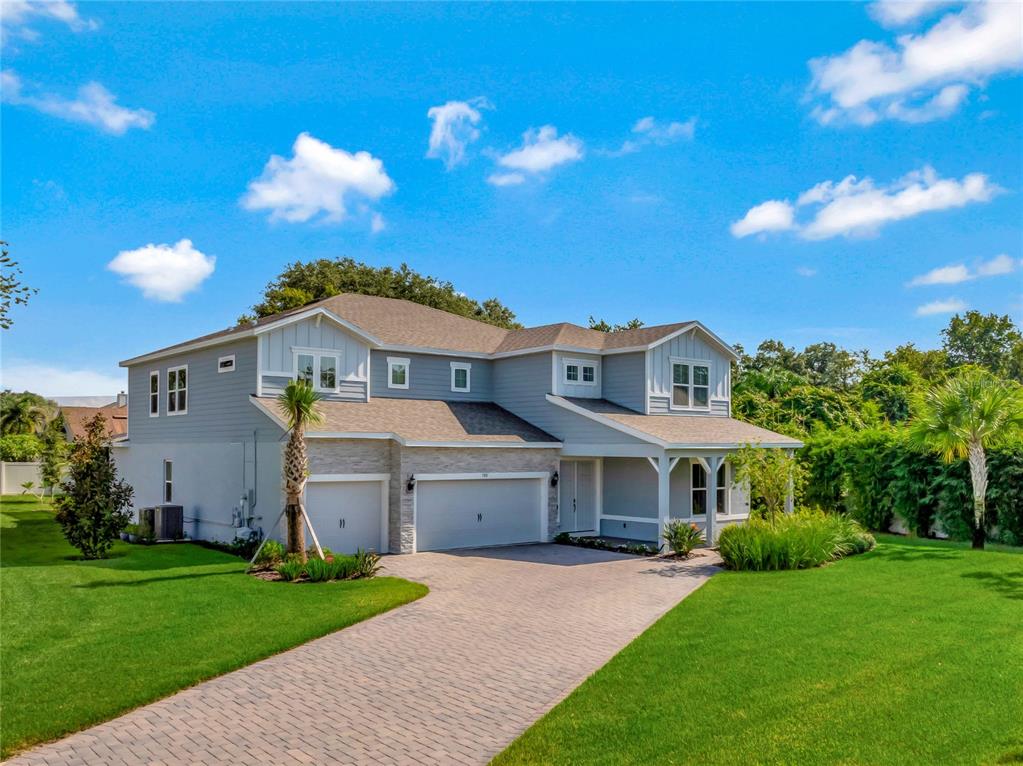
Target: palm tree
963, 417
23, 414
298, 406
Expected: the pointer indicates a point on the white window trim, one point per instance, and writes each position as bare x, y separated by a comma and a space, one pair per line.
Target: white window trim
580, 363
317, 355
392, 362
671, 383
188, 397
221, 360
149, 400
726, 486
468, 377
166, 482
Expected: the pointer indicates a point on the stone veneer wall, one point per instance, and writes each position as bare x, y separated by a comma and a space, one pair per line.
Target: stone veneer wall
347, 456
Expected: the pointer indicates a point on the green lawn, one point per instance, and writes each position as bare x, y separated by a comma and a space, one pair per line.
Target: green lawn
910, 654
83, 641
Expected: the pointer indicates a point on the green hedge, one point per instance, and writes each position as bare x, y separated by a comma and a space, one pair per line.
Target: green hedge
875, 476
20, 448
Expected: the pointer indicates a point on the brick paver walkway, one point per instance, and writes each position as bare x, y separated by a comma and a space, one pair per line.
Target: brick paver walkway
504, 634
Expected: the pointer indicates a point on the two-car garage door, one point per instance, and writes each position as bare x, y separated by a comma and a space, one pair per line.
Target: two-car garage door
471, 512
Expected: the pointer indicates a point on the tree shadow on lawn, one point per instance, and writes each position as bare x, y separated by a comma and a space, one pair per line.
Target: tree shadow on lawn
1009, 584
911, 553
150, 580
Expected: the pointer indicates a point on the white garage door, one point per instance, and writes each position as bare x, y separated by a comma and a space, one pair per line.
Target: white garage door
347, 515
472, 513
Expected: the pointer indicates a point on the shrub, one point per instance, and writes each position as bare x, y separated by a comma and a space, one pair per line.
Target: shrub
271, 553
792, 541
367, 564
682, 537
94, 506
318, 570
290, 570
20, 448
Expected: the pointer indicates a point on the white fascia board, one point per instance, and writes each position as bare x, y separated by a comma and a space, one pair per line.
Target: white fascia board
485, 445
433, 351
641, 435
709, 447
174, 351
319, 311
353, 435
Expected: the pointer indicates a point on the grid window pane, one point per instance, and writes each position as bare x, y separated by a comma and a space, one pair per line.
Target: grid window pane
572, 372
398, 374
589, 374
701, 375
680, 374
305, 368
680, 396
154, 384
328, 372
700, 396
461, 378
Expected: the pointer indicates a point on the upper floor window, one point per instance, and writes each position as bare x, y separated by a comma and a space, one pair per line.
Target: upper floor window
580, 372
225, 364
700, 489
154, 394
177, 390
398, 372
690, 384
460, 374
318, 370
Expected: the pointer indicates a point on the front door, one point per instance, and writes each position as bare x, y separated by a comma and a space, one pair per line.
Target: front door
578, 498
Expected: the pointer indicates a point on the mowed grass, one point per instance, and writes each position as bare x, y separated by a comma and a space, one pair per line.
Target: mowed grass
910, 654
82, 641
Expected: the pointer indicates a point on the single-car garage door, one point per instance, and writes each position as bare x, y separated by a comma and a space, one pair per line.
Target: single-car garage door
471, 513
347, 515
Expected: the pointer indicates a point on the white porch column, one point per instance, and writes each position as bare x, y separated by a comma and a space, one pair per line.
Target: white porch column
713, 463
663, 496
790, 498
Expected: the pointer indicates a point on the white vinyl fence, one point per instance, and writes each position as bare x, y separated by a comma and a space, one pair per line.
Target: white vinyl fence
13, 475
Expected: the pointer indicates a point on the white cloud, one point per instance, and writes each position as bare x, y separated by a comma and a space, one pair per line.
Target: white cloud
858, 207
49, 381
773, 215
454, 128
924, 76
947, 306
94, 106
164, 272
317, 179
958, 273
506, 179
806, 271
15, 16
996, 267
945, 275
541, 150
377, 223
897, 13
648, 130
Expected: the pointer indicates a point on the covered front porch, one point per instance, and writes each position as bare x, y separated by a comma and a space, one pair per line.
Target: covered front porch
633, 496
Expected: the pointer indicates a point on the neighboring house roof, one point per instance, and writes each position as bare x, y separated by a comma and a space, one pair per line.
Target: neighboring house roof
420, 422
676, 431
75, 419
402, 324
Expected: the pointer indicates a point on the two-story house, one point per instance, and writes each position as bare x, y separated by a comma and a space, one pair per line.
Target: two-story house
441, 432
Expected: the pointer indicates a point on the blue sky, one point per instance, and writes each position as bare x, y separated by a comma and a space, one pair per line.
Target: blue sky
665, 162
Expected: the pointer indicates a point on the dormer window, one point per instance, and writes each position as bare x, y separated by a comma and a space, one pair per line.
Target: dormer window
460, 376
690, 384
318, 370
397, 372
579, 372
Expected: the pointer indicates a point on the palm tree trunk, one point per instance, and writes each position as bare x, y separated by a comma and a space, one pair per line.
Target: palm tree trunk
978, 477
295, 466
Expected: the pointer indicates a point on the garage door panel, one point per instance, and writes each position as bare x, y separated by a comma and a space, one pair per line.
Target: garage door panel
477, 512
346, 515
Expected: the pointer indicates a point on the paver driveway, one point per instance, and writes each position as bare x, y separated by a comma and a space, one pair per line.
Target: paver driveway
504, 634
